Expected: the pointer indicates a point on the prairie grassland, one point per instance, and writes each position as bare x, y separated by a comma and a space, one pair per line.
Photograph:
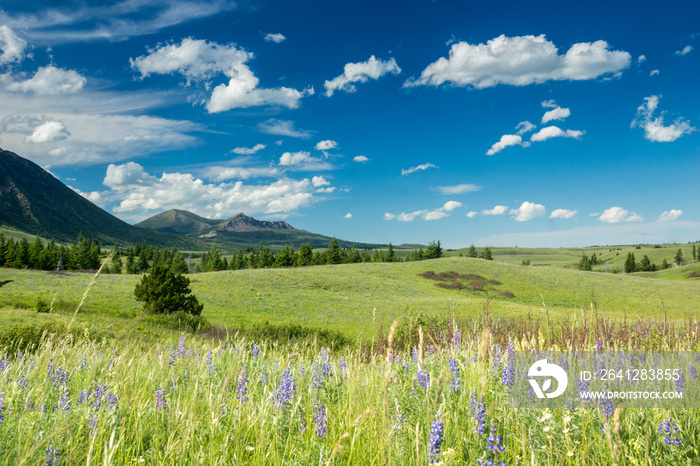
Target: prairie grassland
359, 298
232, 402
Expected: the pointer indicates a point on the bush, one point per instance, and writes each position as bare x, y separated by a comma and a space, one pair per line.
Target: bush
165, 292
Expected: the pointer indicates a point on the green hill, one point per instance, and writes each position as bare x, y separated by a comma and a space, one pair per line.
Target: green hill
179, 222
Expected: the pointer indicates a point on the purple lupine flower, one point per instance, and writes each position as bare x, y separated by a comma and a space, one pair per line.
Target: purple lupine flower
181, 347
494, 441
431, 349
2, 407
669, 429
4, 364
693, 372
342, 367
210, 364
496, 365
93, 424
456, 339
160, 399
414, 355
51, 455
400, 419
607, 407
436, 438
173, 358
286, 389
22, 381
454, 368
508, 376
320, 420
599, 345
324, 354
680, 383
255, 350
423, 378
477, 408
81, 397
63, 404
302, 422
242, 389
112, 400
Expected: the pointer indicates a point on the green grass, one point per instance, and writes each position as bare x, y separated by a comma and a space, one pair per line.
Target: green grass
344, 297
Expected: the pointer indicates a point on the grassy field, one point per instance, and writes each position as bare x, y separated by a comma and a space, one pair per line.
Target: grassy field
359, 298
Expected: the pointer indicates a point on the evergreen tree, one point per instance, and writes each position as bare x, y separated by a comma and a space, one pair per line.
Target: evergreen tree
679, 257
390, 254
665, 264
630, 264
584, 263
285, 257
695, 253
141, 265
35, 254
305, 255
486, 254
116, 266
3, 249
594, 260
179, 265
165, 292
377, 256
434, 250
333, 254
645, 264
472, 252
267, 258
21, 258
211, 261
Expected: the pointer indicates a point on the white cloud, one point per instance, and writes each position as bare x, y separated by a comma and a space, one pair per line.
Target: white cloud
201, 60
11, 46
557, 113
528, 211
654, 72
458, 189
360, 159
95, 196
436, 214
525, 127
472, 214
348, 215
49, 131
135, 193
633, 217
424, 166
614, 215
388, 216
641, 59
240, 173
326, 145
498, 210
520, 61
507, 140
302, 160
451, 205
554, 132
551, 103
282, 128
318, 181
49, 80
563, 213
276, 38
360, 73
654, 129
670, 215
114, 21
686, 50
248, 150
327, 190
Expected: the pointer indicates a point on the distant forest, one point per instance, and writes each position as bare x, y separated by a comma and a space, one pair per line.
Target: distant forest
87, 254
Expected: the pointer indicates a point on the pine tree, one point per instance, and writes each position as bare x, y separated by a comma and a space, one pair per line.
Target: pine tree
390, 254
584, 263
664, 264
3, 249
487, 254
179, 265
679, 257
285, 257
472, 252
165, 292
305, 255
117, 265
434, 250
645, 264
333, 254
695, 253
630, 264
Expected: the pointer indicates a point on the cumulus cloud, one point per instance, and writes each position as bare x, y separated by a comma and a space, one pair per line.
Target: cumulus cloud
318, 181
49, 80
240, 173
276, 38
436, 214
557, 113
686, 50
11, 46
348, 215
525, 127
619, 215
326, 145
303, 161
563, 213
458, 189
472, 214
654, 72
521, 61
498, 210
360, 159
359, 73
136, 192
201, 60
424, 166
641, 59
49, 131
550, 132
282, 128
507, 140
654, 129
528, 211
670, 215
248, 150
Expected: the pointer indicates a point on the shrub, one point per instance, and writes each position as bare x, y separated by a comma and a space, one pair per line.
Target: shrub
42, 306
165, 292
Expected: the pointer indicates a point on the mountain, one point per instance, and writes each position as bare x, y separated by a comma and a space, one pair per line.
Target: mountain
179, 222
34, 201
241, 231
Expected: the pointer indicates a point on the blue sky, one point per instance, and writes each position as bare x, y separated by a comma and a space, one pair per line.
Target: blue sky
495, 124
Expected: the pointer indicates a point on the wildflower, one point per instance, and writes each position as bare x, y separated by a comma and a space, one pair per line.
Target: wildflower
693, 372
242, 389
599, 345
4, 364
320, 420
497, 362
112, 400
436, 439
508, 375
423, 378
431, 349
454, 368
680, 383
456, 339
342, 367
286, 389
494, 445
302, 421
255, 350
181, 347
2, 407
400, 419
477, 408
63, 404
51, 455
160, 399
668, 429
414, 355
607, 407
93, 424
212, 367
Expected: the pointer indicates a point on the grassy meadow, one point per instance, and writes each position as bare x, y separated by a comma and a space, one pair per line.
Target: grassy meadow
119, 389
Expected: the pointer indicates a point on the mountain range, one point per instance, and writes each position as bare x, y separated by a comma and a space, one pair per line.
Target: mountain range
34, 201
